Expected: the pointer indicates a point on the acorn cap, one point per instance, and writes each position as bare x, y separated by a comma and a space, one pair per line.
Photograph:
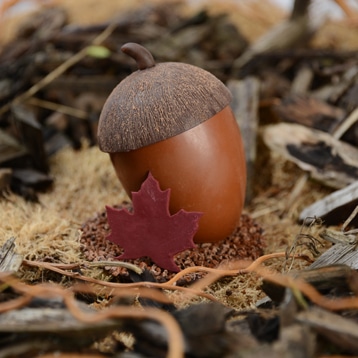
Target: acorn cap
157, 102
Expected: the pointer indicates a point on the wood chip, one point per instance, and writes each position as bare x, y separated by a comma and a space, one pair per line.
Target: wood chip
5, 178
31, 134
10, 149
245, 101
338, 254
327, 159
338, 330
310, 112
335, 208
9, 260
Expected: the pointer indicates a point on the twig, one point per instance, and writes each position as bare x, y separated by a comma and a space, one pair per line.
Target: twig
253, 267
75, 112
146, 292
126, 265
60, 69
78, 276
250, 266
296, 191
353, 214
298, 241
346, 124
265, 211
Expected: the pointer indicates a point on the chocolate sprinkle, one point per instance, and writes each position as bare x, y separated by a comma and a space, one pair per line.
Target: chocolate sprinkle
247, 242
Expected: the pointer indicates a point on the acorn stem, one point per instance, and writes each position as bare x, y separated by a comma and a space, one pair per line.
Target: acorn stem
140, 54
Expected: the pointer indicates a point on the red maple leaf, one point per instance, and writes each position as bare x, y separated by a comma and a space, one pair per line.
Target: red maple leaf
151, 230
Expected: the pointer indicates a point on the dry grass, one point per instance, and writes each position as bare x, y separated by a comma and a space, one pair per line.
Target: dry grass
84, 183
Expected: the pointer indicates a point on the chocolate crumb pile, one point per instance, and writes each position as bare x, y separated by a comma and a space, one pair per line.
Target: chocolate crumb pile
247, 242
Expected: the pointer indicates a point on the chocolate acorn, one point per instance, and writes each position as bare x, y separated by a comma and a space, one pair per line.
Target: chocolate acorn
174, 120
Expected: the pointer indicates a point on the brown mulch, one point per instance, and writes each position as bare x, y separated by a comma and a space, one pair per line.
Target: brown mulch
246, 242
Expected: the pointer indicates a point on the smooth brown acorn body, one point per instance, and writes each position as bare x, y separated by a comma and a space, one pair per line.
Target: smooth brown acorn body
174, 120
204, 167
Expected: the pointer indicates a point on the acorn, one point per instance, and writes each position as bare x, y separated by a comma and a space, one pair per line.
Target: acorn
174, 120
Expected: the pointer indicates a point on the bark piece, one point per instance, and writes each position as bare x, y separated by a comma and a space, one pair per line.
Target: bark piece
203, 326
345, 249
333, 92
327, 159
56, 142
335, 328
5, 178
350, 98
335, 208
310, 112
35, 330
30, 131
324, 277
296, 341
32, 178
10, 149
338, 254
303, 80
349, 128
245, 101
9, 260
